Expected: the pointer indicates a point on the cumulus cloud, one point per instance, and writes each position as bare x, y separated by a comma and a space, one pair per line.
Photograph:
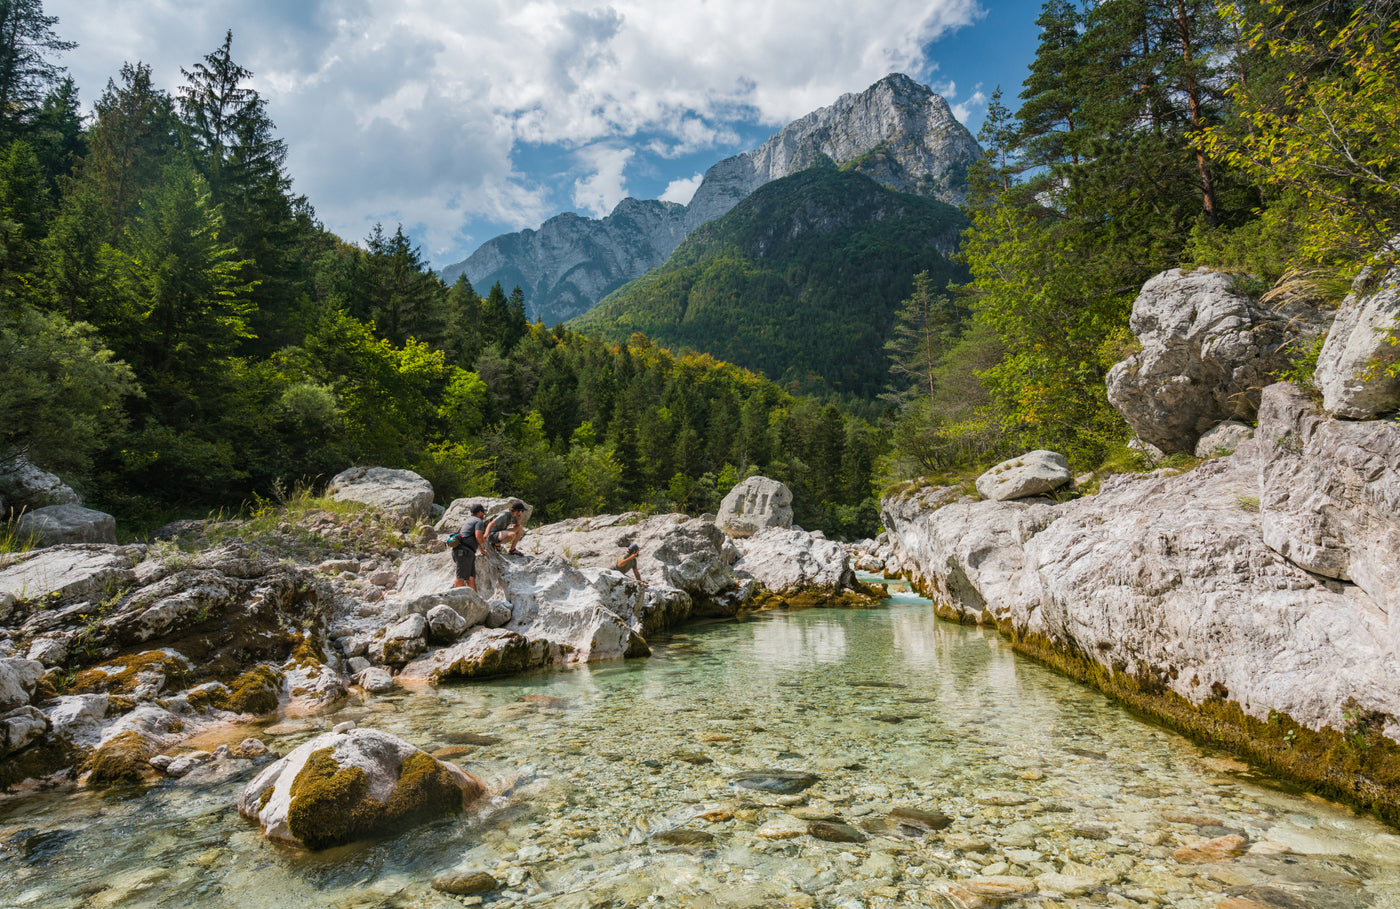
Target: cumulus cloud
604, 185
683, 190
413, 110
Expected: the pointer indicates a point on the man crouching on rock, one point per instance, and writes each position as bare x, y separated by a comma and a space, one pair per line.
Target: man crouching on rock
471, 538
507, 527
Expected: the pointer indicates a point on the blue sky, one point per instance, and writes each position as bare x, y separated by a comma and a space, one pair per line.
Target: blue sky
464, 119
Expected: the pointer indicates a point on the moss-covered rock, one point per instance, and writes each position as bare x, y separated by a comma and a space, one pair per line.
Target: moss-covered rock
345, 786
256, 691
124, 758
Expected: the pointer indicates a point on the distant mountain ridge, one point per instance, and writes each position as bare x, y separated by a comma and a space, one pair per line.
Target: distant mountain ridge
799, 281
899, 133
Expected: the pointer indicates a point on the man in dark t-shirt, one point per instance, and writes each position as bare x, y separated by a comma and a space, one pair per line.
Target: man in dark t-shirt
470, 539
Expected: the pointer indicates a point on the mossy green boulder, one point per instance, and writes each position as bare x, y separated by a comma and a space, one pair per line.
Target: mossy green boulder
348, 785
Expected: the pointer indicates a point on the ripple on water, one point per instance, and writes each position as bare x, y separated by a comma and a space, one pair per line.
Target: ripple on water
937, 766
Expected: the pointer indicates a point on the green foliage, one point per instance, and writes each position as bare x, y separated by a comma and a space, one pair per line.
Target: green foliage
60, 370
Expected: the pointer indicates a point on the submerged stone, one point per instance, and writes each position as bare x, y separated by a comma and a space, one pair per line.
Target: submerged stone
784, 782
835, 832
465, 884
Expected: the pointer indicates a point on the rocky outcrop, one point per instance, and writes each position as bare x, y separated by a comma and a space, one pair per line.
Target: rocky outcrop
350, 784
1351, 368
1225, 583
1034, 473
1207, 352
753, 506
397, 491
1329, 495
898, 132
56, 524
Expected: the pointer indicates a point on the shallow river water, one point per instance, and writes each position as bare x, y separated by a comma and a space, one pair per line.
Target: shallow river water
614, 789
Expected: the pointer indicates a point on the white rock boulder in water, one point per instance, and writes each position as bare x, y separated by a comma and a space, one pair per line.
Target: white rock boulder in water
343, 786
788, 561
56, 524
1350, 368
753, 506
396, 491
1032, 474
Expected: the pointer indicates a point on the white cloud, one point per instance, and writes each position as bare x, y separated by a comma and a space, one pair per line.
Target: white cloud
413, 109
964, 110
600, 191
682, 190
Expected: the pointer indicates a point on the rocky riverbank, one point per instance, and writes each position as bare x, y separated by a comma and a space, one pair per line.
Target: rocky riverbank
1253, 601
113, 657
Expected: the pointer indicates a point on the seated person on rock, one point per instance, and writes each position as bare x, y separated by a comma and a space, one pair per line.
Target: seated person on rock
630, 561
469, 541
507, 527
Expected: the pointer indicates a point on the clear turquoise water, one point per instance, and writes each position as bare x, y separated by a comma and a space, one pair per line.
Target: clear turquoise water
889, 707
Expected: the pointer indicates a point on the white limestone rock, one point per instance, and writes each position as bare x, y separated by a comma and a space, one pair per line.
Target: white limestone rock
484, 653
18, 679
445, 625
395, 491
457, 513
465, 602
1329, 494
1223, 439
67, 572
268, 798
754, 506
1173, 577
77, 718
20, 728
402, 641
789, 561
374, 680
1206, 354
1034, 473
1350, 367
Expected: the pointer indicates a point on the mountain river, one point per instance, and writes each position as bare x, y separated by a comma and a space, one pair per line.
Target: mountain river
614, 786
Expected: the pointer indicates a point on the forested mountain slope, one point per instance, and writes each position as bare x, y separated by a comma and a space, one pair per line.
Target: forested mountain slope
800, 281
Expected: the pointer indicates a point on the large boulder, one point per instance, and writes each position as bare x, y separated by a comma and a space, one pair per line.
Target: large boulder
1351, 368
395, 491
788, 561
465, 602
1207, 351
18, 679
20, 728
53, 525
485, 653
24, 486
753, 506
457, 513
1034, 473
343, 786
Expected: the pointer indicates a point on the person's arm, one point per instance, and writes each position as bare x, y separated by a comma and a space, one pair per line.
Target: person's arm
481, 535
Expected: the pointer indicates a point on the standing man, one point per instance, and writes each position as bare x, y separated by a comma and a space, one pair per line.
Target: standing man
469, 540
507, 527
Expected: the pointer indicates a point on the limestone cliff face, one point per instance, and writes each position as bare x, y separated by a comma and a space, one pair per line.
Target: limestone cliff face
897, 132
1266, 578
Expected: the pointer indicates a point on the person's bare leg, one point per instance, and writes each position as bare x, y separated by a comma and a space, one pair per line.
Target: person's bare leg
472, 583
458, 582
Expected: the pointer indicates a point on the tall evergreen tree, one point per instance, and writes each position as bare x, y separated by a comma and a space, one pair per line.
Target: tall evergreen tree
27, 72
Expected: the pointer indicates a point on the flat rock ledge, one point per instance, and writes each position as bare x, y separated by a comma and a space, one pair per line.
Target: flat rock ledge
1251, 601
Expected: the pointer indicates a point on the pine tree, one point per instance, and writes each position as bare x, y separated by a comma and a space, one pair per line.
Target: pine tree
27, 40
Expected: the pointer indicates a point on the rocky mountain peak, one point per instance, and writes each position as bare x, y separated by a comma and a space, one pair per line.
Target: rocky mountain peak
897, 132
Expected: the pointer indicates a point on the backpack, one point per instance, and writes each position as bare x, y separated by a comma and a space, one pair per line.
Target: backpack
454, 541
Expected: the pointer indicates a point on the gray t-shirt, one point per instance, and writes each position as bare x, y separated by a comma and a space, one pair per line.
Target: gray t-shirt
467, 536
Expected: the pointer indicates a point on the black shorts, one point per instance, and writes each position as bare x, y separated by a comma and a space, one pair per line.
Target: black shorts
466, 562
